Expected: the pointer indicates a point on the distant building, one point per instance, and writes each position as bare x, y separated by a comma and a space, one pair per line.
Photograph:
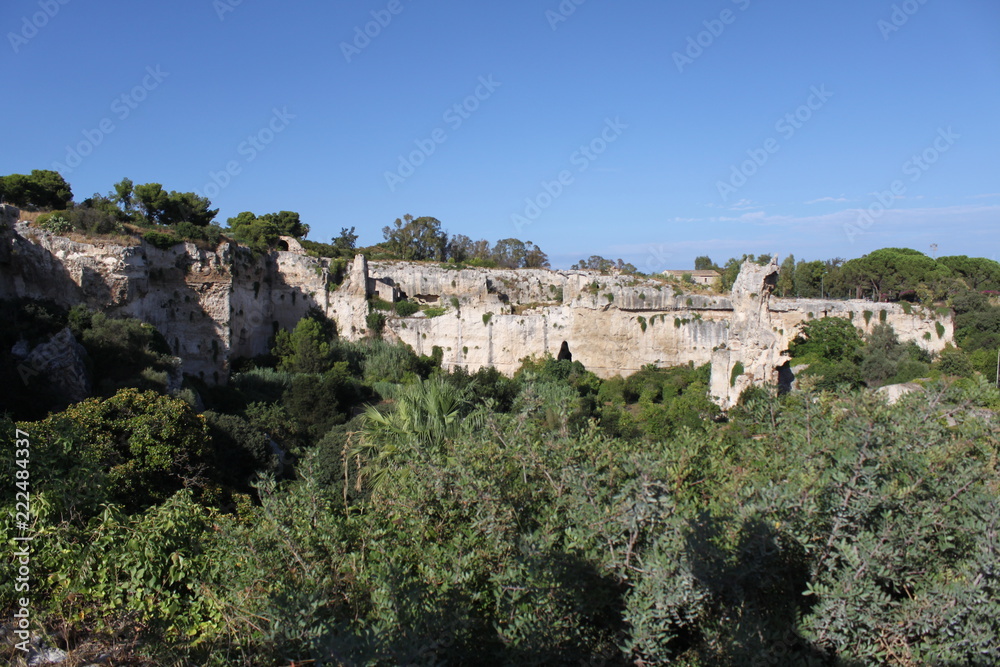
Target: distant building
700, 277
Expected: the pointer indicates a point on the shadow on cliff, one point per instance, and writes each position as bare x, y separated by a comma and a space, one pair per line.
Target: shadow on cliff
276, 303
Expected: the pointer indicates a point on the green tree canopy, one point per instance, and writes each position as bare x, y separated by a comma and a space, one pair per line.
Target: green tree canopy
829, 338
978, 273
886, 272
347, 240
305, 349
704, 263
809, 279
42, 188
786, 277
598, 263
417, 239
256, 233
170, 208
288, 223
149, 445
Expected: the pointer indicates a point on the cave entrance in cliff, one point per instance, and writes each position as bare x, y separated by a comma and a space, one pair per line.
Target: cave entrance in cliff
564, 352
282, 245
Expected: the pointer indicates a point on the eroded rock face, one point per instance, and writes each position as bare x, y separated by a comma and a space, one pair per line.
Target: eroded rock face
59, 367
754, 352
214, 305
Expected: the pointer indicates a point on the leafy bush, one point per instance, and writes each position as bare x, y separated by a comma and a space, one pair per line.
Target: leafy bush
306, 349
148, 445
826, 339
377, 303
406, 308
161, 240
55, 223
389, 362
122, 350
375, 321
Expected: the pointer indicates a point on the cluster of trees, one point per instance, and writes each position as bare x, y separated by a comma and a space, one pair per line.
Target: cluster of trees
41, 189
157, 206
167, 217
598, 263
353, 503
261, 232
170, 216
422, 239
888, 274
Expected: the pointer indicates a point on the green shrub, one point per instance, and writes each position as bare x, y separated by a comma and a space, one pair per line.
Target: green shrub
642, 323
406, 308
54, 223
306, 349
434, 312
389, 362
487, 317
737, 371
161, 240
377, 303
868, 317
375, 321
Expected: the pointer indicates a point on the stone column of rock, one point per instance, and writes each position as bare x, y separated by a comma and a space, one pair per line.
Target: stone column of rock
754, 352
348, 306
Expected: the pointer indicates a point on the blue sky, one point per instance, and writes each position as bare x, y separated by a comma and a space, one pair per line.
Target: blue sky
652, 131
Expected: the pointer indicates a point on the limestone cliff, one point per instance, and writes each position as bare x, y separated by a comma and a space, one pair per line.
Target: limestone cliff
755, 351
213, 305
210, 305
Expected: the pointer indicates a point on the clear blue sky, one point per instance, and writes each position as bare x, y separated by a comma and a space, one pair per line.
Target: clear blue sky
681, 117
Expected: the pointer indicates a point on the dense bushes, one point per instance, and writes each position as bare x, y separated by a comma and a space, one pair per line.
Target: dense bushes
358, 505
843, 530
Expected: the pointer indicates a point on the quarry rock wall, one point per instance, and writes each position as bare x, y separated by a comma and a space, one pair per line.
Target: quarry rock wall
213, 305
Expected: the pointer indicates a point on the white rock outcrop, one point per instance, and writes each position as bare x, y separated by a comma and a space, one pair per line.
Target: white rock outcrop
754, 352
213, 305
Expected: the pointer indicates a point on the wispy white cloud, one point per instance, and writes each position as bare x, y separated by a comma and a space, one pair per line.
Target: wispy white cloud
986, 196
742, 205
841, 198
